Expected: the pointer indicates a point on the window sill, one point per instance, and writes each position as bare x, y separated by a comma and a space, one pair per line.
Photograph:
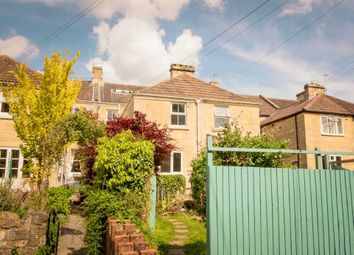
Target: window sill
178, 127
171, 173
339, 135
4, 115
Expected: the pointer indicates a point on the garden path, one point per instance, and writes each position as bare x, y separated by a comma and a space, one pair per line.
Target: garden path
181, 235
71, 240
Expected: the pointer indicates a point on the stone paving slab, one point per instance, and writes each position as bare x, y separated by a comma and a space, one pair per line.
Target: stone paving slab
181, 237
176, 251
71, 239
180, 231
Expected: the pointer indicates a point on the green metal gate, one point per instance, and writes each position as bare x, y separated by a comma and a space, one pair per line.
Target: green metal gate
279, 211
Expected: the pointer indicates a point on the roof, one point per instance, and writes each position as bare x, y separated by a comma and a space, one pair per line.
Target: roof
8, 65
186, 86
321, 103
270, 105
110, 92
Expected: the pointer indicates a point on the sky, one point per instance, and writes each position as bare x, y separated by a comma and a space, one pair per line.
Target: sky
274, 51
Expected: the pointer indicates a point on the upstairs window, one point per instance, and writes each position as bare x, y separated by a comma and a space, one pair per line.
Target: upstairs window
111, 114
331, 125
221, 116
178, 115
4, 107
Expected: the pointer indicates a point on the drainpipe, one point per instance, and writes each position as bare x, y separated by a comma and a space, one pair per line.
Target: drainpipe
197, 101
297, 141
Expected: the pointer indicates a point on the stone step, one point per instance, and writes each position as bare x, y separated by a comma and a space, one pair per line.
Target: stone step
175, 252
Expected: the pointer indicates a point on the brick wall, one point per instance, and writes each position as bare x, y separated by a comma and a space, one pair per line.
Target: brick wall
125, 239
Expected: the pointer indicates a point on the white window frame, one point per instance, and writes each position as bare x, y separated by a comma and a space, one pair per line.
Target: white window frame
110, 110
171, 163
220, 116
332, 158
337, 133
4, 115
7, 163
179, 114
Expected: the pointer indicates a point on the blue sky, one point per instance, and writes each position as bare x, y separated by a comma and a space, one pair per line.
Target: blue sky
135, 41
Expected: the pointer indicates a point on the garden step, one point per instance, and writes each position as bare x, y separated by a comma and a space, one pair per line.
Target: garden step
181, 231
177, 242
181, 236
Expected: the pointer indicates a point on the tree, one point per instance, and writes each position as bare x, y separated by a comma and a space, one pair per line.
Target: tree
37, 105
232, 137
140, 126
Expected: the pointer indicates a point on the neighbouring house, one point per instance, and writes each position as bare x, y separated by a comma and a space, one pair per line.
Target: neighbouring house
316, 120
105, 99
191, 108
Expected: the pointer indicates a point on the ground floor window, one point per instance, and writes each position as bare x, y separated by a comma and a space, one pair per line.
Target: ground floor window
173, 164
334, 161
11, 162
75, 166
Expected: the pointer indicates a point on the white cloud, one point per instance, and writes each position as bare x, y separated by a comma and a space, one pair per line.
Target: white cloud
16, 45
300, 7
214, 4
136, 50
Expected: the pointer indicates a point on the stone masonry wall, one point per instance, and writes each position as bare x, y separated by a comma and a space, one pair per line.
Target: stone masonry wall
27, 234
125, 239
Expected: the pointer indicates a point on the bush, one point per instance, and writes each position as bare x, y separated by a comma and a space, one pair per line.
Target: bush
13, 200
58, 200
124, 163
101, 204
232, 137
168, 186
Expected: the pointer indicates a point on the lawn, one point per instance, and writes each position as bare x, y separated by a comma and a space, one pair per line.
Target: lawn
195, 244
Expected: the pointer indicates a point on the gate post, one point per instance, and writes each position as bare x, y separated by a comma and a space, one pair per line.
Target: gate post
153, 202
209, 163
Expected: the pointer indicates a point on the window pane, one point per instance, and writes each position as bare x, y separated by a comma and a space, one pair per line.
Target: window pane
15, 153
221, 111
174, 120
2, 163
221, 122
4, 107
165, 165
324, 124
182, 120
2, 173
331, 126
174, 107
76, 166
177, 162
14, 173
14, 163
3, 153
340, 126
181, 108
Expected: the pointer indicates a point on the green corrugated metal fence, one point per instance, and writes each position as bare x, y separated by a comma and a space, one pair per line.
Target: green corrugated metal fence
279, 211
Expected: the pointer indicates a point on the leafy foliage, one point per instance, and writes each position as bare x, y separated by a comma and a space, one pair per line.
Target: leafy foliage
168, 186
101, 204
141, 127
124, 162
58, 199
232, 137
37, 105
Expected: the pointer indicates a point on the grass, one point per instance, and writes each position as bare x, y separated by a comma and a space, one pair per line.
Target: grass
195, 244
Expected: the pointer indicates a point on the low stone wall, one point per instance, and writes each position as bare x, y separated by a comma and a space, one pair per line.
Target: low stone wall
27, 234
125, 239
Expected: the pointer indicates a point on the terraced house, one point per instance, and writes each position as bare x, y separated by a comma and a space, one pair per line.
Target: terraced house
105, 99
315, 120
191, 108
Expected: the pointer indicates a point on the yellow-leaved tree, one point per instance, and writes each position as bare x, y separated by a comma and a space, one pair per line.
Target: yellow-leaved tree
36, 106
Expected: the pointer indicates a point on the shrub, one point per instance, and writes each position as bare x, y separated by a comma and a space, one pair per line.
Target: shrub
58, 199
124, 163
168, 186
232, 137
101, 204
13, 200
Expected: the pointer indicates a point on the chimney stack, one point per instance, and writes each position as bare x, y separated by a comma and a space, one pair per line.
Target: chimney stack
215, 83
179, 69
310, 90
97, 82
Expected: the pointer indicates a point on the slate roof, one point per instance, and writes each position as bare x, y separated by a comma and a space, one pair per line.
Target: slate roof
108, 94
185, 86
321, 103
8, 64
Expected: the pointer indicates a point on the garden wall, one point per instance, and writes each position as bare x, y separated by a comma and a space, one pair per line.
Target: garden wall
27, 234
125, 239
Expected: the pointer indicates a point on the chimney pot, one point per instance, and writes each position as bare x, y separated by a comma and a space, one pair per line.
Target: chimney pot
180, 69
311, 90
